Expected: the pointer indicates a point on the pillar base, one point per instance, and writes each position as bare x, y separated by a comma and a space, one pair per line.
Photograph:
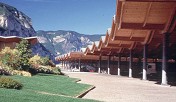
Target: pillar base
108, 70
130, 73
79, 69
144, 75
118, 73
98, 70
166, 85
164, 78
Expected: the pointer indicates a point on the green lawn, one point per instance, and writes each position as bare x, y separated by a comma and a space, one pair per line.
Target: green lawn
45, 88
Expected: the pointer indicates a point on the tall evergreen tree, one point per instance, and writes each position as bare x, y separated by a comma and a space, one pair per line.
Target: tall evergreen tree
25, 53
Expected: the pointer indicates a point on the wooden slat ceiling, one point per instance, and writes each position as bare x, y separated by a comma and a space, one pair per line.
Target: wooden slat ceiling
131, 35
144, 15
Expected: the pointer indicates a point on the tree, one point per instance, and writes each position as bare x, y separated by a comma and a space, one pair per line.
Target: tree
25, 54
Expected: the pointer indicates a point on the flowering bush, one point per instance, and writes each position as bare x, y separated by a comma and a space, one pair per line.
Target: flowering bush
35, 61
9, 57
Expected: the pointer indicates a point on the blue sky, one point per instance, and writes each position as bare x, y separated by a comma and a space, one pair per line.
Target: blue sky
83, 16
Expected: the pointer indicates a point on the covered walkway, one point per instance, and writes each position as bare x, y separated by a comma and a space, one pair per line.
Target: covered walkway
140, 42
113, 88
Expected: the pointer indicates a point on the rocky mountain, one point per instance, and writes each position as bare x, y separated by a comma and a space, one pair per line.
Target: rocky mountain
60, 42
16, 23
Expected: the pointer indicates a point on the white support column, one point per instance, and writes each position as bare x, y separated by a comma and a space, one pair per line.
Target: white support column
109, 58
118, 73
99, 69
62, 64
164, 59
72, 66
79, 65
130, 65
68, 65
144, 72
65, 64
75, 64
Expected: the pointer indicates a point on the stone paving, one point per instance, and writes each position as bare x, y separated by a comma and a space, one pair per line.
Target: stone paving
112, 88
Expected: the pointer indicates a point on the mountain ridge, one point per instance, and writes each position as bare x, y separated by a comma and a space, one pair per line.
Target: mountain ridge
64, 41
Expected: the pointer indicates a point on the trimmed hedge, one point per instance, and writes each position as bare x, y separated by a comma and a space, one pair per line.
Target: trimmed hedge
10, 83
46, 70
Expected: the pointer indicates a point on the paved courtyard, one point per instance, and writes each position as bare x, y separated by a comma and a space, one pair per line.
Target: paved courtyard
111, 88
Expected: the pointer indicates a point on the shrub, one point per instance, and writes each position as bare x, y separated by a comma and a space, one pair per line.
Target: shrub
35, 61
46, 70
45, 61
41, 65
10, 83
9, 57
4, 72
22, 73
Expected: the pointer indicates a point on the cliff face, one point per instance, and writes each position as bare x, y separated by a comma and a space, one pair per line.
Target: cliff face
16, 23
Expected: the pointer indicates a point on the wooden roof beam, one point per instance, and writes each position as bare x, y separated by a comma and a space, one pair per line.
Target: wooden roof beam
140, 26
121, 15
137, 39
171, 22
148, 38
119, 45
147, 14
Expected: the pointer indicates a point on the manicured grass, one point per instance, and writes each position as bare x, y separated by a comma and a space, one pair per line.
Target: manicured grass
10, 95
45, 88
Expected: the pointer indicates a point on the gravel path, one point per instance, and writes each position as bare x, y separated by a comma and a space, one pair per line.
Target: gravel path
111, 88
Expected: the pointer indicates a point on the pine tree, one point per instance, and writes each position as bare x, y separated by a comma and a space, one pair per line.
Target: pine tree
25, 54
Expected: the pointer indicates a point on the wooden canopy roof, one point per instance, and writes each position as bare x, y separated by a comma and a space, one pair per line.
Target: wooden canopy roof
136, 23
77, 55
